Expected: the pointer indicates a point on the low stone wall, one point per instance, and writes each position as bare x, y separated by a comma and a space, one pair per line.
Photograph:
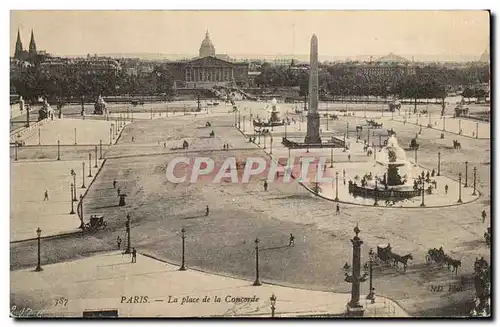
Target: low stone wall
334, 143
23, 134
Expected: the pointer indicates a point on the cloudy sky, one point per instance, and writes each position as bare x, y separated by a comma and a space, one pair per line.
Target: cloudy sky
443, 34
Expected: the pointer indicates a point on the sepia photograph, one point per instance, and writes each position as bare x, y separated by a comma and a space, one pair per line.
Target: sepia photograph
250, 164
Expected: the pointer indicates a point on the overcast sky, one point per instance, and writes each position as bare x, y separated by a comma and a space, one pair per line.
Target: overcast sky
443, 34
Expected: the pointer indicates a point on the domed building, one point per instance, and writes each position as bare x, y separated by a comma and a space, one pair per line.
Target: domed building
207, 48
485, 57
209, 69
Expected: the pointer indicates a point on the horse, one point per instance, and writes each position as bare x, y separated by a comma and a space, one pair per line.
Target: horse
456, 145
403, 259
454, 263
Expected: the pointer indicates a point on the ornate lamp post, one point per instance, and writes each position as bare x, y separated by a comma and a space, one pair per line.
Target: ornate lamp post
75, 136
466, 173
354, 308
74, 183
38, 233
331, 157
90, 165
439, 164
336, 186
95, 155
371, 255
83, 175
110, 134
257, 279
475, 170
459, 126
286, 123
72, 212
100, 149
376, 192
273, 304
58, 150
423, 192
183, 231
347, 129
39, 137
477, 130
459, 188
127, 228
444, 123
271, 144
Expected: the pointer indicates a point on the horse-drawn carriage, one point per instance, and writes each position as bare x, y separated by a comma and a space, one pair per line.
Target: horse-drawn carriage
334, 117
374, 124
438, 256
384, 254
96, 222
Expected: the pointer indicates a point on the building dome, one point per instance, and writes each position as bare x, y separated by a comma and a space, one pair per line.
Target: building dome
485, 57
207, 48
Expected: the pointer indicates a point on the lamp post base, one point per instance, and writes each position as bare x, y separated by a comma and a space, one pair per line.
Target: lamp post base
38, 268
355, 311
182, 268
257, 282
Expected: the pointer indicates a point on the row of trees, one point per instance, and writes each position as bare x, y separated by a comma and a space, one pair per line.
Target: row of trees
33, 83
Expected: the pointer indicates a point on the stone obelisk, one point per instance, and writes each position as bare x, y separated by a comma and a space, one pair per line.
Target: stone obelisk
312, 135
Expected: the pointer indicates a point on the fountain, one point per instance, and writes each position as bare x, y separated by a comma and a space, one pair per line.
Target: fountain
273, 120
100, 106
46, 111
396, 182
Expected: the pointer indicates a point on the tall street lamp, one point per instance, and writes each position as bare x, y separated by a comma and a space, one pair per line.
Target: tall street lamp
100, 149
376, 192
273, 304
423, 191
257, 279
79, 210
439, 164
38, 233
475, 170
347, 129
466, 171
336, 186
72, 212
331, 157
75, 136
416, 150
477, 130
83, 175
39, 137
74, 183
444, 123
183, 231
15, 151
110, 134
459, 188
371, 294
95, 155
354, 308
127, 228
90, 165
271, 144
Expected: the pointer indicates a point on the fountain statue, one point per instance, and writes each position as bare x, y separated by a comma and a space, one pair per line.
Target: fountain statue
392, 175
274, 119
100, 106
46, 111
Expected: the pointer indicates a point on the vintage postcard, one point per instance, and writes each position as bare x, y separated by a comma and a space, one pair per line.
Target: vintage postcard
250, 164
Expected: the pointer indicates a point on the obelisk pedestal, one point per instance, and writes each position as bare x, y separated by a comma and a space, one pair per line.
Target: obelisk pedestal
313, 120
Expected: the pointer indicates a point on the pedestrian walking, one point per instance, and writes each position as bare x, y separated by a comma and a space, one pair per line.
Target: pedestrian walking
349, 157
133, 139
292, 240
119, 242
483, 214
134, 255
207, 210
265, 186
46, 196
338, 209
114, 183
446, 189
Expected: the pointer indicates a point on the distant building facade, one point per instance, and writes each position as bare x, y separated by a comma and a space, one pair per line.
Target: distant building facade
209, 69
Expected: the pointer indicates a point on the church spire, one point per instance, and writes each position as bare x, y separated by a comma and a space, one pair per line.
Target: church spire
206, 35
32, 48
19, 46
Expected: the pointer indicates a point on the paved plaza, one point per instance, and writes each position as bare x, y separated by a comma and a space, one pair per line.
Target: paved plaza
111, 281
222, 243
